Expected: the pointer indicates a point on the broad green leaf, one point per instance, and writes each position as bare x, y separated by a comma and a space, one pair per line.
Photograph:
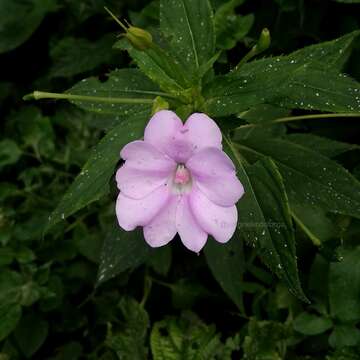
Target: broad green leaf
264, 113
322, 145
72, 56
226, 262
19, 19
310, 178
265, 219
309, 324
122, 250
159, 66
31, 333
93, 181
9, 317
9, 152
129, 343
123, 83
348, 1
283, 82
344, 287
344, 335
189, 27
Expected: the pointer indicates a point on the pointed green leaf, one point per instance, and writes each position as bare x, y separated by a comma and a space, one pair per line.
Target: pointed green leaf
189, 27
122, 250
265, 219
93, 181
123, 83
309, 177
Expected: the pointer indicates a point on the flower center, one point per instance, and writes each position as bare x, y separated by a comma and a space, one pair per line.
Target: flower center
182, 175
181, 181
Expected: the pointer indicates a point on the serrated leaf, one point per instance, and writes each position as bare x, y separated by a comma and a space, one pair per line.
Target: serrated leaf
283, 82
159, 66
19, 19
226, 262
123, 83
189, 27
129, 343
322, 145
310, 178
122, 250
93, 181
265, 219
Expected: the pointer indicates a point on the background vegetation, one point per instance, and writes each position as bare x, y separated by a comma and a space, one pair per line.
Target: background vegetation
163, 304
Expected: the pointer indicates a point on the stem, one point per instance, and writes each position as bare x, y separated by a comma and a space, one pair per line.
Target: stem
312, 237
115, 18
301, 117
37, 95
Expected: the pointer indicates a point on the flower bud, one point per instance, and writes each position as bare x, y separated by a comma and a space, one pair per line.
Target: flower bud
264, 41
139, 38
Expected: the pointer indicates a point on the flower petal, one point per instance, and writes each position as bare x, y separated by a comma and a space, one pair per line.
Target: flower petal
162, 228
136, 183
191, 234
218, 221
132, 213
162, 130
214, 173
142, 155
202, 131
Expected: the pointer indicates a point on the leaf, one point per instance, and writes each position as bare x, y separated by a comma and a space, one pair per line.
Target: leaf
189, 27
322, 145
122, 250
31, 333
93, 181
19, 19
88, 54
123, 83
159, 66
10, 315
344, 287
309, 324
129, 343
186, 338
348, 1
160, 260
283, 82
265, 218
226, 262
344, 335
9, 152
310, 178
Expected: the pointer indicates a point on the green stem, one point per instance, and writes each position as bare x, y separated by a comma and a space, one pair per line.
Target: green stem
37, 95
302, 117
307, 231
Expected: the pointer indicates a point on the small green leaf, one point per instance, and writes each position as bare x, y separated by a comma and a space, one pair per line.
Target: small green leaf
344, 286
31, 333
160, 260
344, 335
10, 315
309, 324
9, 152
122, 250
93, 181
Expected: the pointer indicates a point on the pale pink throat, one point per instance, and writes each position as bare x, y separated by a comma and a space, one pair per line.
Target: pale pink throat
181, 181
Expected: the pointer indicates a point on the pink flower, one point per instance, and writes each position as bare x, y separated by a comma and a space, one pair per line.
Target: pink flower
178, 180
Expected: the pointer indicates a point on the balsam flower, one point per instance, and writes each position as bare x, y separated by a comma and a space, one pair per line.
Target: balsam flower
178, 180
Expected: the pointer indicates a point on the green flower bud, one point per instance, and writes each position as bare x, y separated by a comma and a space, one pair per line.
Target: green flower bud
264, 40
